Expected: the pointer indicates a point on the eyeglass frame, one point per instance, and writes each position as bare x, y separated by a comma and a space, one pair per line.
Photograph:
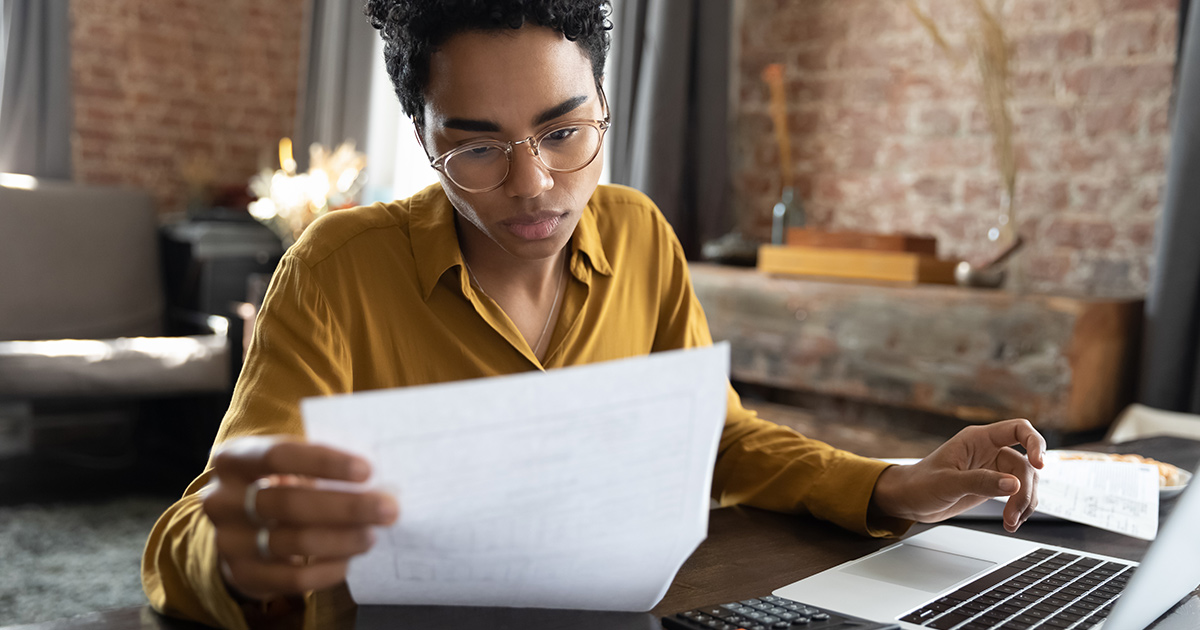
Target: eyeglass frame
439, 163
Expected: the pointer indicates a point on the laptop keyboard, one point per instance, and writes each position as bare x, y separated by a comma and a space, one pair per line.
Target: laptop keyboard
1045, 590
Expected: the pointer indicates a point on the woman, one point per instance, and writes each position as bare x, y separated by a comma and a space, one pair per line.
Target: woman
516, 261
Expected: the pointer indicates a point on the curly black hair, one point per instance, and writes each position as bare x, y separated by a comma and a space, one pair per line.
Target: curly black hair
413, 29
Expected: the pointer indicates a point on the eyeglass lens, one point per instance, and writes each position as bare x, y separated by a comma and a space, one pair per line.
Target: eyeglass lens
565, 148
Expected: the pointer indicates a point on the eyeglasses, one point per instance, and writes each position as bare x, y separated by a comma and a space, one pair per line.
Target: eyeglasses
565, 147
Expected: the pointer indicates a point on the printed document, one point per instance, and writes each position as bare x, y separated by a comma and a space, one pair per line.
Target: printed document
584, 487
1117, 496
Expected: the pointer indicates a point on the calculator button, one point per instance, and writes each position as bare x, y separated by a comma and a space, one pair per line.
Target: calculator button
781, 625
820, 616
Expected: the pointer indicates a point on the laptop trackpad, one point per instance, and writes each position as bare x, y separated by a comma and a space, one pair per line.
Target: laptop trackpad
918, 567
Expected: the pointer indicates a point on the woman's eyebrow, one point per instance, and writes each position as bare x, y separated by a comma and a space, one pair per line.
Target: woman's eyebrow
468, 124
471, 124
564, 107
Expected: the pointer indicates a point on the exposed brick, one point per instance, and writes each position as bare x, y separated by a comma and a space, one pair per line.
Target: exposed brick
917, 85
871, 121
934, 189
894, 137
1168, 32
1042, 120
1080, 234
1040, 12
1104, 196
1141, 233
1045, 48
1140, 5
1158, 121
1051, 268
1129, 37
158, 83
1112, 118
1033, 83
1040, 195
938, 121
982, 194
1104, 81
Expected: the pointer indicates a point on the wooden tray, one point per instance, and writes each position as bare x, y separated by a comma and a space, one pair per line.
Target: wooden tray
905, 267
858, 240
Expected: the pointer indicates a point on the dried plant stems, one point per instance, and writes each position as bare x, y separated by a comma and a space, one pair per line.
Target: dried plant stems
991, 51
991, 54
934, 33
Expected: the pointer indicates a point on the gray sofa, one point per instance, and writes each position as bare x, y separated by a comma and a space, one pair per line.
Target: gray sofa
83, 313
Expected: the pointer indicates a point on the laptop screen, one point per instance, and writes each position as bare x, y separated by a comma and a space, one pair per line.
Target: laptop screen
1170, 570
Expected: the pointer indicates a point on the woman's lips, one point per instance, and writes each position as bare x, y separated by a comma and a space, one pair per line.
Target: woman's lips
536, 228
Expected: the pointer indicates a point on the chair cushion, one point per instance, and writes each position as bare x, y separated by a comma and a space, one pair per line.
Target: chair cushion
114, 367
78, 262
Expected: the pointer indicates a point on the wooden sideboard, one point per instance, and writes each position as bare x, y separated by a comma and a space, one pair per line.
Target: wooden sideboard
978, 355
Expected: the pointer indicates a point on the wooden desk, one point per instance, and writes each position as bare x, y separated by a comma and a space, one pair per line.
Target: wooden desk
751, 552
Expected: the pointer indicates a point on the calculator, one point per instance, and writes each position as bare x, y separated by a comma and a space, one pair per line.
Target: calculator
768, 613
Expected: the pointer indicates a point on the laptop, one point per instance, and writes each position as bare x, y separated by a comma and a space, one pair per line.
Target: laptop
950, 578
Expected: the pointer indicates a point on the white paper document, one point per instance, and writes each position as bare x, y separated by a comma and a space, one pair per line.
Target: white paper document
1117, 496
584, 487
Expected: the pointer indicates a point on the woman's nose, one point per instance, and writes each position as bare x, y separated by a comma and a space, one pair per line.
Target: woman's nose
528, 177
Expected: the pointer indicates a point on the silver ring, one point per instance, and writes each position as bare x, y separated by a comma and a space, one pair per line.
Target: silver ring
263, 541
250, 500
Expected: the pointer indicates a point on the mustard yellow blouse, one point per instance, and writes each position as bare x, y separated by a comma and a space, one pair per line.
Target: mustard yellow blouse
377, 297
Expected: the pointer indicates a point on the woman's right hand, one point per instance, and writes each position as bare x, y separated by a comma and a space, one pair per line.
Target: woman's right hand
278, 533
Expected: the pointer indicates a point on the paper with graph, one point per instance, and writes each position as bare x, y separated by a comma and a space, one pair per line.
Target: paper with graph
584, 487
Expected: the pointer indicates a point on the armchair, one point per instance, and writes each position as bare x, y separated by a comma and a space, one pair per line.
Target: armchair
82, 323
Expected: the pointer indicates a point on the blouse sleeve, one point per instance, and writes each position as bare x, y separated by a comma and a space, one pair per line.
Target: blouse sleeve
297, 351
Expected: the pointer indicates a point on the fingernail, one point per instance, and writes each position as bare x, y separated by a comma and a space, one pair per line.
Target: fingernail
387, 510
359, 469
1009, 484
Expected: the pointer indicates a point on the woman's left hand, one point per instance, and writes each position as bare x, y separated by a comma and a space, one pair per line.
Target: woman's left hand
973, 466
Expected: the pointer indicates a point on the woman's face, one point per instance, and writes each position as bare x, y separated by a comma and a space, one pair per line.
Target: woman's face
509, 85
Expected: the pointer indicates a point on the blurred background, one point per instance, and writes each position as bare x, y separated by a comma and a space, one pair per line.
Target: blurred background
906, 216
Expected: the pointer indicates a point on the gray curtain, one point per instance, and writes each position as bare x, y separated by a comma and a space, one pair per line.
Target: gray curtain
1171, 374
335, 77
670, 110
36, 117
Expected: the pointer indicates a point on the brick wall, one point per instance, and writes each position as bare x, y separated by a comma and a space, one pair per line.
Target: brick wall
889, 136
188, 90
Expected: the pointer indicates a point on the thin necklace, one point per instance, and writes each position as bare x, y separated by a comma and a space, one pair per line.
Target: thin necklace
553, 306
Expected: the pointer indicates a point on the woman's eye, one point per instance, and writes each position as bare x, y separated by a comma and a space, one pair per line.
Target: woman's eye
481, 152
559, 135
